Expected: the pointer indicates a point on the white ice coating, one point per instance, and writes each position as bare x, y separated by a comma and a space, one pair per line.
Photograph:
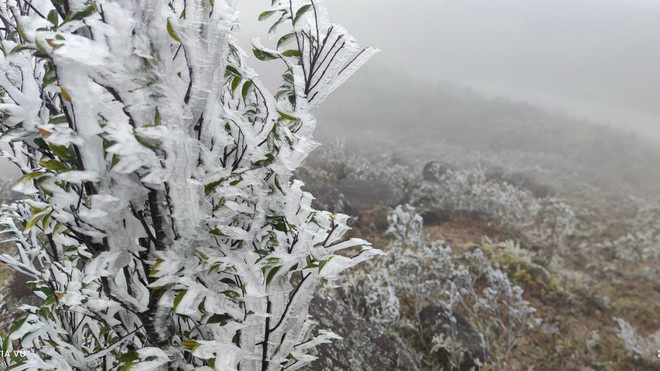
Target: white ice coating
161, 213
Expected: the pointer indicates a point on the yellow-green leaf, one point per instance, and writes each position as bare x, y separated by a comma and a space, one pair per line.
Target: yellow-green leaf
178, 298
170, 30
65, 95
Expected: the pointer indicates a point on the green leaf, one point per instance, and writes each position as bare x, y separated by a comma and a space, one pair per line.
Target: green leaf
19, 48
246, 89
65, 94
277, 222
231, 70
190, 345
285, 39
235, 83
84, 13
17, 325
273, 28
228, 281
292, 53
58, 120
178, 298
53, 165
278, 185
49, 77
311, 265
211, 186
323, 263
303, 9
33, 221
222, 319
157, 117
265, 15
267, 161
53, 17
114, 161
150, 143
41, 143
63, 152
170, 30
128, 357
154, 269
234, 54
287, 117
5, 344
272, 274
218, 232
263, 55
231, 294
30, 176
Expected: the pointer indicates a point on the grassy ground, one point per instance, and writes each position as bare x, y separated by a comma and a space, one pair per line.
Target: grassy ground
579, 302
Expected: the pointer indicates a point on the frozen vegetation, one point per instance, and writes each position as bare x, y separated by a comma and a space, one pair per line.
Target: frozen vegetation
170, 209
161, 227
509, 261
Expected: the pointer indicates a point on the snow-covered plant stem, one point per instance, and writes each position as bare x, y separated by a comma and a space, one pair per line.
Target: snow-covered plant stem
161, 225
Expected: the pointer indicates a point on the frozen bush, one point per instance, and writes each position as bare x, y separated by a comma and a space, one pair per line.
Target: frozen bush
640, 348
471, 191
161, 224
422, 273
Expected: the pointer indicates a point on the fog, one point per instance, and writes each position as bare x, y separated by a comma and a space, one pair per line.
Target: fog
592, 59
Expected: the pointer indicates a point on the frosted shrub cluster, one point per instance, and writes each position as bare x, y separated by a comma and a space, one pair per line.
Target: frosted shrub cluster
472, 191
555, 223
420, 273
162, 227
642, 242
504, 204
337, 162
639, 348
331, 163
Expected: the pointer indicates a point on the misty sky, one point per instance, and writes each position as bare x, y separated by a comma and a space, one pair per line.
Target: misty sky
596, 59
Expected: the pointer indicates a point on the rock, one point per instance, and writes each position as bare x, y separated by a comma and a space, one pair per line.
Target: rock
435, 216
361, 194
436, 322
364, 346
434, 170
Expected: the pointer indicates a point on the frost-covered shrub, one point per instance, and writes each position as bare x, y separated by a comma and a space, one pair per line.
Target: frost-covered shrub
423, 273
372, 296
472, 191
639, 348
637, 240
556, 222
338, 161
161, 225
642, 242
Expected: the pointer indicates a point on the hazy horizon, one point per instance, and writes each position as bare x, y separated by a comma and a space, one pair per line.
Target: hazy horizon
591, 59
